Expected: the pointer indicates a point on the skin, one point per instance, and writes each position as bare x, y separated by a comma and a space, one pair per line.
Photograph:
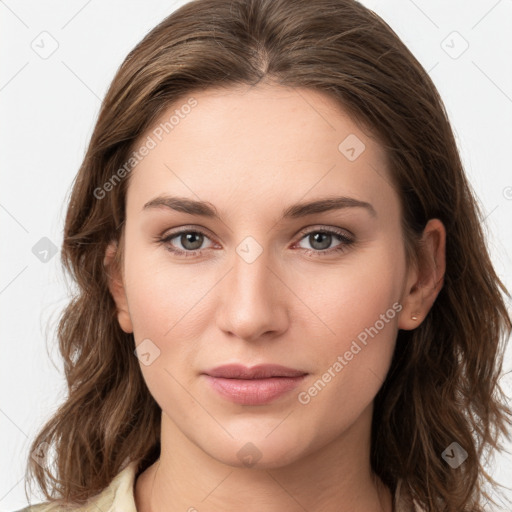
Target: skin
251, 152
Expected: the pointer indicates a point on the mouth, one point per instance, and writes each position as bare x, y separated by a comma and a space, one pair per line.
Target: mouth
257, 385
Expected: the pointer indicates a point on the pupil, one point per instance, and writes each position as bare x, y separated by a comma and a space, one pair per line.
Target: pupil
189, 238
317, 237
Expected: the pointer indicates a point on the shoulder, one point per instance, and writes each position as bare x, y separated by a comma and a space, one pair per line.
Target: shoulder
118, 493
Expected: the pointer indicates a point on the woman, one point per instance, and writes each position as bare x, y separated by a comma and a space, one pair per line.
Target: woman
285, 299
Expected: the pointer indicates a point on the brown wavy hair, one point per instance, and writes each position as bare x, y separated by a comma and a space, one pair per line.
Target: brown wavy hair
442, 385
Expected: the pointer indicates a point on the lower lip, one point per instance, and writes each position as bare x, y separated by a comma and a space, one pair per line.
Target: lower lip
254, 391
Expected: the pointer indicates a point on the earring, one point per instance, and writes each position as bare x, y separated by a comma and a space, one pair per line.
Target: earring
414, 317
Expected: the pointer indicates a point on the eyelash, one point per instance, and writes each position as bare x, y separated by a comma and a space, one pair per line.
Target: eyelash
346, 242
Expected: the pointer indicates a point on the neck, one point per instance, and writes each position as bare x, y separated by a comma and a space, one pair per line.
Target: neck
336, 477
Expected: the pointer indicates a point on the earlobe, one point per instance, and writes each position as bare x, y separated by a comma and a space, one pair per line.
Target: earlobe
116, 287
426, 278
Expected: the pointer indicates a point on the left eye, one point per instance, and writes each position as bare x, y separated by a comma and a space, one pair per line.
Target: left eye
322, 239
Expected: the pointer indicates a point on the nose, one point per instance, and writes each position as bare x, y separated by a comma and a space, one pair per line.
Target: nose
252, 300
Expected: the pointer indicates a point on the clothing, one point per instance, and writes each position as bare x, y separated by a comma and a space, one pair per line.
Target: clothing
119, 497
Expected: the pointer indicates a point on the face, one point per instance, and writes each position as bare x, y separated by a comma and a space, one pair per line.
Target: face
253, 277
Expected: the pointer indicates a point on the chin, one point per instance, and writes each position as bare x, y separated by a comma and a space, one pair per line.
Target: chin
258, 452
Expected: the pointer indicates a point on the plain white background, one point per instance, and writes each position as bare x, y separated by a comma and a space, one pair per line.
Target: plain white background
49, 103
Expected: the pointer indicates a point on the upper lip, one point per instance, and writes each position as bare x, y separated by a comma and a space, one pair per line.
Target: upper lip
261, 371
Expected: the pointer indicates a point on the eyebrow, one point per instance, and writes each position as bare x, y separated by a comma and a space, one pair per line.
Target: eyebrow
206, 209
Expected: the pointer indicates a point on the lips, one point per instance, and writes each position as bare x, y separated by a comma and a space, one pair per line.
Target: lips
261, 371
258, 385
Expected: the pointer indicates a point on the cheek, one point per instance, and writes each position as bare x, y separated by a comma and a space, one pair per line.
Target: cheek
170, 310
162, 296
359, 308
356, 295
165, 308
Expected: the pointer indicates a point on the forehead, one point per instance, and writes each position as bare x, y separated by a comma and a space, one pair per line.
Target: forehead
264, 139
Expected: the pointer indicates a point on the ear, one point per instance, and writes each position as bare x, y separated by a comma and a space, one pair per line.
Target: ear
425, 279
116, 286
